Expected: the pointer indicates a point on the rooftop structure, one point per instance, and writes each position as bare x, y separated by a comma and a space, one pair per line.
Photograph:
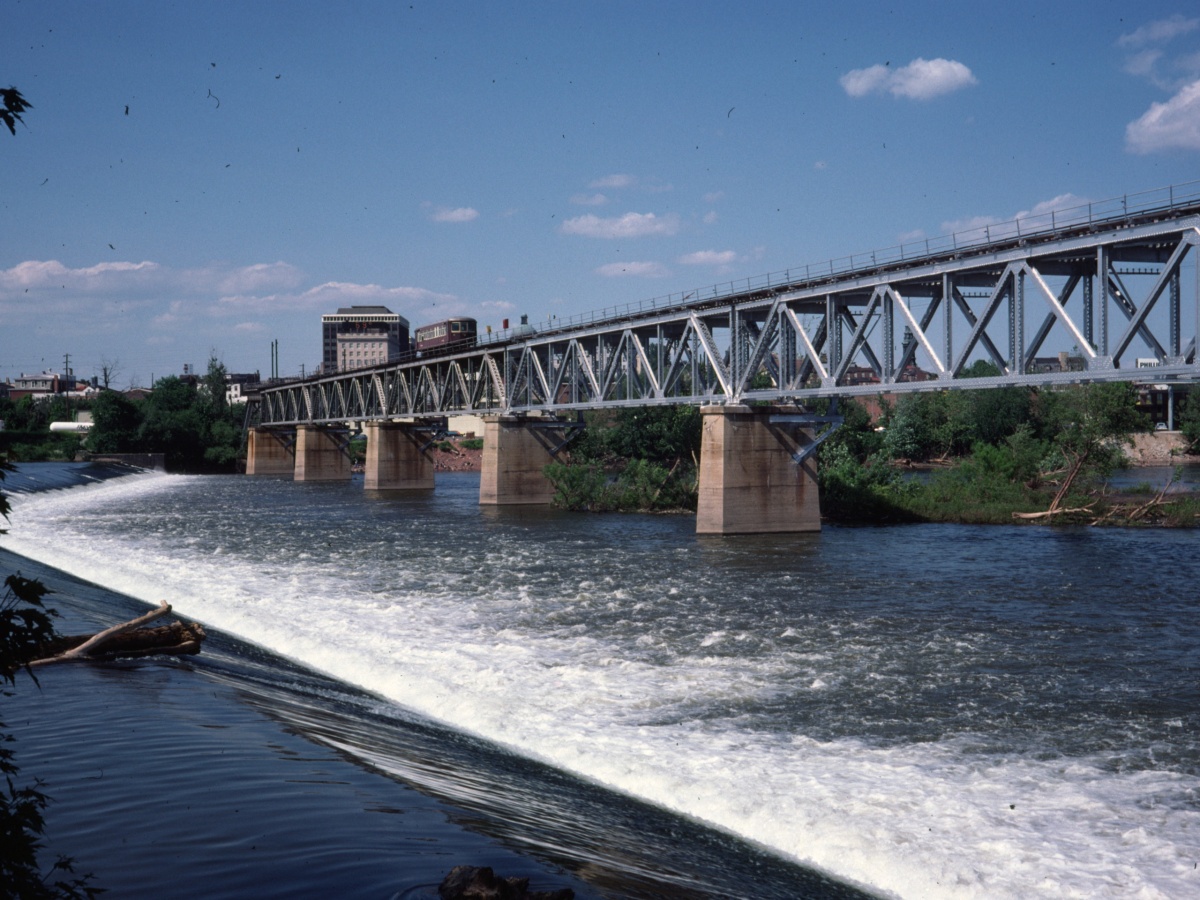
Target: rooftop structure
357, 336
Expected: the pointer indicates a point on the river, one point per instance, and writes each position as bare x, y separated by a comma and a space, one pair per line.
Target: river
921, 711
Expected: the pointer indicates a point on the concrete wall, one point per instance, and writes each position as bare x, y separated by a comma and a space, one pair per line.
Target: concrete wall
394, 458
319, 456
266, 454
513, 460
749, 482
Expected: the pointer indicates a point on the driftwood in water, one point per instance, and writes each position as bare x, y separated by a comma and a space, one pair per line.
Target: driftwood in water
126, 640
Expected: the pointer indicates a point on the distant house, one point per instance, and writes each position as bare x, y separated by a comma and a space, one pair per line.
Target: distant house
1064, 362
42, 384
235, 384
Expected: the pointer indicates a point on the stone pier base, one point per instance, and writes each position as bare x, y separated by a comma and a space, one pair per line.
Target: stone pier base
268, 453
749, 482
513, 460
320, 455
395, 461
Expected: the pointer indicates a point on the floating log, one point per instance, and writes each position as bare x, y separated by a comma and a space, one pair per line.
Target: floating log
127, 639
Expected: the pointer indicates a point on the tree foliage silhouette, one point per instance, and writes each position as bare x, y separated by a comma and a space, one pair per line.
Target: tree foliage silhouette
12, 108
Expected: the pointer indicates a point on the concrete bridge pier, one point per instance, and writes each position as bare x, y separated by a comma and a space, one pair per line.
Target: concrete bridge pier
750, 482
270, 451
515, 450
395, 458
321, 454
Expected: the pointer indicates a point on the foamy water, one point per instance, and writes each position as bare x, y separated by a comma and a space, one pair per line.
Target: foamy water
927, 712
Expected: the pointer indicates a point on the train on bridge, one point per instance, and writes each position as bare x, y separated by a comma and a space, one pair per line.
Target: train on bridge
461, 333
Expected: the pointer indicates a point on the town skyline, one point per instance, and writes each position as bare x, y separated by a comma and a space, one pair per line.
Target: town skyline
200, 181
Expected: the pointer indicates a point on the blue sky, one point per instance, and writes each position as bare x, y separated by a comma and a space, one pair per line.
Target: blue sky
206, 178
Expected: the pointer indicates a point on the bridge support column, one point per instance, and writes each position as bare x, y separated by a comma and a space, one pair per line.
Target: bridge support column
395, 461
513, 459
268, 452
320, 455
749, 481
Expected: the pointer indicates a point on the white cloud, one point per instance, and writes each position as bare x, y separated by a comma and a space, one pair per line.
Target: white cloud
708, 258
714, 196
921, 79
1142, 63
1062, 201
1147, 58
709, 217
589, 199
1174, 125
498, 305
461, 214
613, 181
960, 225
630, 225
132, 281
124, 308
42, 274
640, 269
1159, 31
1042, 209
264, 276
164, 296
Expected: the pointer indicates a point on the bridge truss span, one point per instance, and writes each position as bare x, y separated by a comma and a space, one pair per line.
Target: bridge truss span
1093, 302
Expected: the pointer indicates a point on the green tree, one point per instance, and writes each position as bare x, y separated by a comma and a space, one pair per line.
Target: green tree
194, 426
857, 433
223, 437
917, 428
173, 425
659, 434
115, 421
995, 414
1189, 419
1088, 426
854, 490
28, 414
634, 458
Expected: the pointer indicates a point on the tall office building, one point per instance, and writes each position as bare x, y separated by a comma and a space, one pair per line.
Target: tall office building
357, 336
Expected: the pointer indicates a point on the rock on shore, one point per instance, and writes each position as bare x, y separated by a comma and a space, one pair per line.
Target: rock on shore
1159, 448
458, 459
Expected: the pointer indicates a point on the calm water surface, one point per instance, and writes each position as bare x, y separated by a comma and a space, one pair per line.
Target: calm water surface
926, 711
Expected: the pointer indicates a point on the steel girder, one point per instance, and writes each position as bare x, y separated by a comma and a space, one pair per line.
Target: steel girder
1111, 296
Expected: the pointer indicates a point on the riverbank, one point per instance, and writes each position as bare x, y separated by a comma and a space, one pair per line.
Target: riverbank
452, 456
1160, 448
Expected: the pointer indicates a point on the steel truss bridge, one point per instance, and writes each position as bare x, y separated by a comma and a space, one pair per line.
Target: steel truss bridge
1103, 290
